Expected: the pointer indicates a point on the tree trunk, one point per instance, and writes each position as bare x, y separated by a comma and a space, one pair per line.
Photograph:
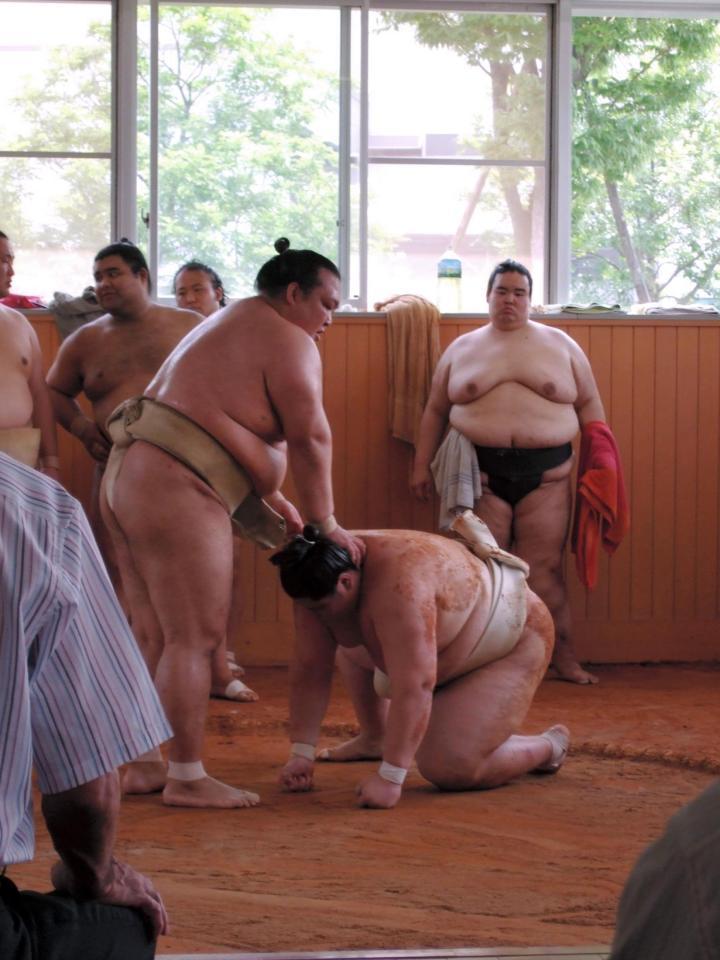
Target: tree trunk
626, 243
470, 209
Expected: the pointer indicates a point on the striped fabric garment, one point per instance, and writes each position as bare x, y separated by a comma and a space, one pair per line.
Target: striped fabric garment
76, 700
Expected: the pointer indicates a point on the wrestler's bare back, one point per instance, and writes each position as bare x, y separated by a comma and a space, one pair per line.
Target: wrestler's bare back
243, 355
515, 387
422, 572
112, 359
19, 354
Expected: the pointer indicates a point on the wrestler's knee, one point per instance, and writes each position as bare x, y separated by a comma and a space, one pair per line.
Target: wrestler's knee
449, 769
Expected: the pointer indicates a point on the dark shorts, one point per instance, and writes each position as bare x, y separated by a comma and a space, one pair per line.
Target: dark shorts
514, 472
50, 926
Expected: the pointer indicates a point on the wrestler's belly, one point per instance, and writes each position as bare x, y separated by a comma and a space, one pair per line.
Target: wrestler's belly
16, 404
512, 415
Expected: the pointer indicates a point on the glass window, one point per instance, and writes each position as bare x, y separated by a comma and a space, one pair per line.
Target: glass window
247, 136
55, 141
456, 149
646, 161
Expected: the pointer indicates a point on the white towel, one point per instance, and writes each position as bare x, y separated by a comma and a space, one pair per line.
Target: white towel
457, 476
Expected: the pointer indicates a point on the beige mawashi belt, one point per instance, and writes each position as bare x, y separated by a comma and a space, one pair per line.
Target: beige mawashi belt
143, 418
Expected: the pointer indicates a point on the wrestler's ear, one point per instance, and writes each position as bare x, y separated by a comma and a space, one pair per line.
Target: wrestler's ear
293, 293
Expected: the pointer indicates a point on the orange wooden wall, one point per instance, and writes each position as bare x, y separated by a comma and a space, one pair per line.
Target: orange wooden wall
657, 599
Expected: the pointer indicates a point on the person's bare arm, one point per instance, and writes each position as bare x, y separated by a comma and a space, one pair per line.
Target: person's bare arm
404, 621
295, 386
588, 405
432, 427
82, 824
65, 381
311, 673
43, 415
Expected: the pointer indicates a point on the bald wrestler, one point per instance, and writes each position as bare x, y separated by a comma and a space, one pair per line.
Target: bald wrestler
238, 398
518, 391
27, 423
441, 651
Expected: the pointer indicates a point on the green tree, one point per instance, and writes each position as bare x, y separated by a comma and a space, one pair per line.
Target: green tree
511, 50
646, 215
239, 163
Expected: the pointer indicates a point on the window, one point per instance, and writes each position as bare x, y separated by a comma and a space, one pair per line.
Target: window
646, 161
259, 134
55, 141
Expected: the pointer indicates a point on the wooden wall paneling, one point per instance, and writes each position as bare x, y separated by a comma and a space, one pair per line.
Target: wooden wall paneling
334, 359
599, 353
378, 461
686, 503
578, 596
708, 484
358, 467
622, 362
663, 468
642, 481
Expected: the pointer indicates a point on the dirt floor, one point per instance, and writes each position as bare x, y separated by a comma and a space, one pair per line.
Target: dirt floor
540, 862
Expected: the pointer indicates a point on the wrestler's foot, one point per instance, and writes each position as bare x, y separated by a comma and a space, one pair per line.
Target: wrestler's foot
359, 748
233, 665
143, 777
566, 667
559, 739
206, 792
235, 690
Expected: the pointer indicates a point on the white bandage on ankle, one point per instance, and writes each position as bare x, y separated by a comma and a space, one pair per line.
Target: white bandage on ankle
306, 750
392, 774
186, 771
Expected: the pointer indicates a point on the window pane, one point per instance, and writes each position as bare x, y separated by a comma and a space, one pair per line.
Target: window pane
455, 85
418, 212
248, 136
55, 77
646, 161
57, 213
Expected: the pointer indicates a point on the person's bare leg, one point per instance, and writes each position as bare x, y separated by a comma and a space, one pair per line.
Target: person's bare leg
497, 514
181, 545
147, 774
226, 673
471, 742
541, 524
357, 672
105, 539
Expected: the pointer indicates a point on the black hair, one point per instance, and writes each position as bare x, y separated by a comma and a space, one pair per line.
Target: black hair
311, 565
204, 268
510, 266
132, 255
292, 266
3, 236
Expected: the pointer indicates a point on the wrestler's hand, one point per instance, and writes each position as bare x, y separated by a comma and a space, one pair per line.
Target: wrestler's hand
421, 483
354, 545
297, 775
94, 441
124, 887
287, 510
378, 793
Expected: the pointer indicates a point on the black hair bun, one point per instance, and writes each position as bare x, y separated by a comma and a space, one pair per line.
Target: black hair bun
281, 244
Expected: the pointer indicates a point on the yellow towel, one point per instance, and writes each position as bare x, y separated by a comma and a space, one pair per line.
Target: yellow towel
413, 337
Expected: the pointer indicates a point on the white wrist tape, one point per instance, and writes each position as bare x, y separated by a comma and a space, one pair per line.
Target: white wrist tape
306, 750
186, 771
392, 774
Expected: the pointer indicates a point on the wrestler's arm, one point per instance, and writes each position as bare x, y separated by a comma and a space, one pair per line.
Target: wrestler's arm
588, 405
311, 673
66, 382
432, 427
295, 385
43, 414
405, 622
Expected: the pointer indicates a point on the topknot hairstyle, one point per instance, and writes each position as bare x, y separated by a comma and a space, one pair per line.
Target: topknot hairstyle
310, 565
292, 266
132, 255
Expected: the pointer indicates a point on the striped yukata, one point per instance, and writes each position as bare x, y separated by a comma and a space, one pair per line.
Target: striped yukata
76, 700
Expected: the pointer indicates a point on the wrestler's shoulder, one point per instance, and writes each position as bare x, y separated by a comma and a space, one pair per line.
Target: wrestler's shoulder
13, 318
